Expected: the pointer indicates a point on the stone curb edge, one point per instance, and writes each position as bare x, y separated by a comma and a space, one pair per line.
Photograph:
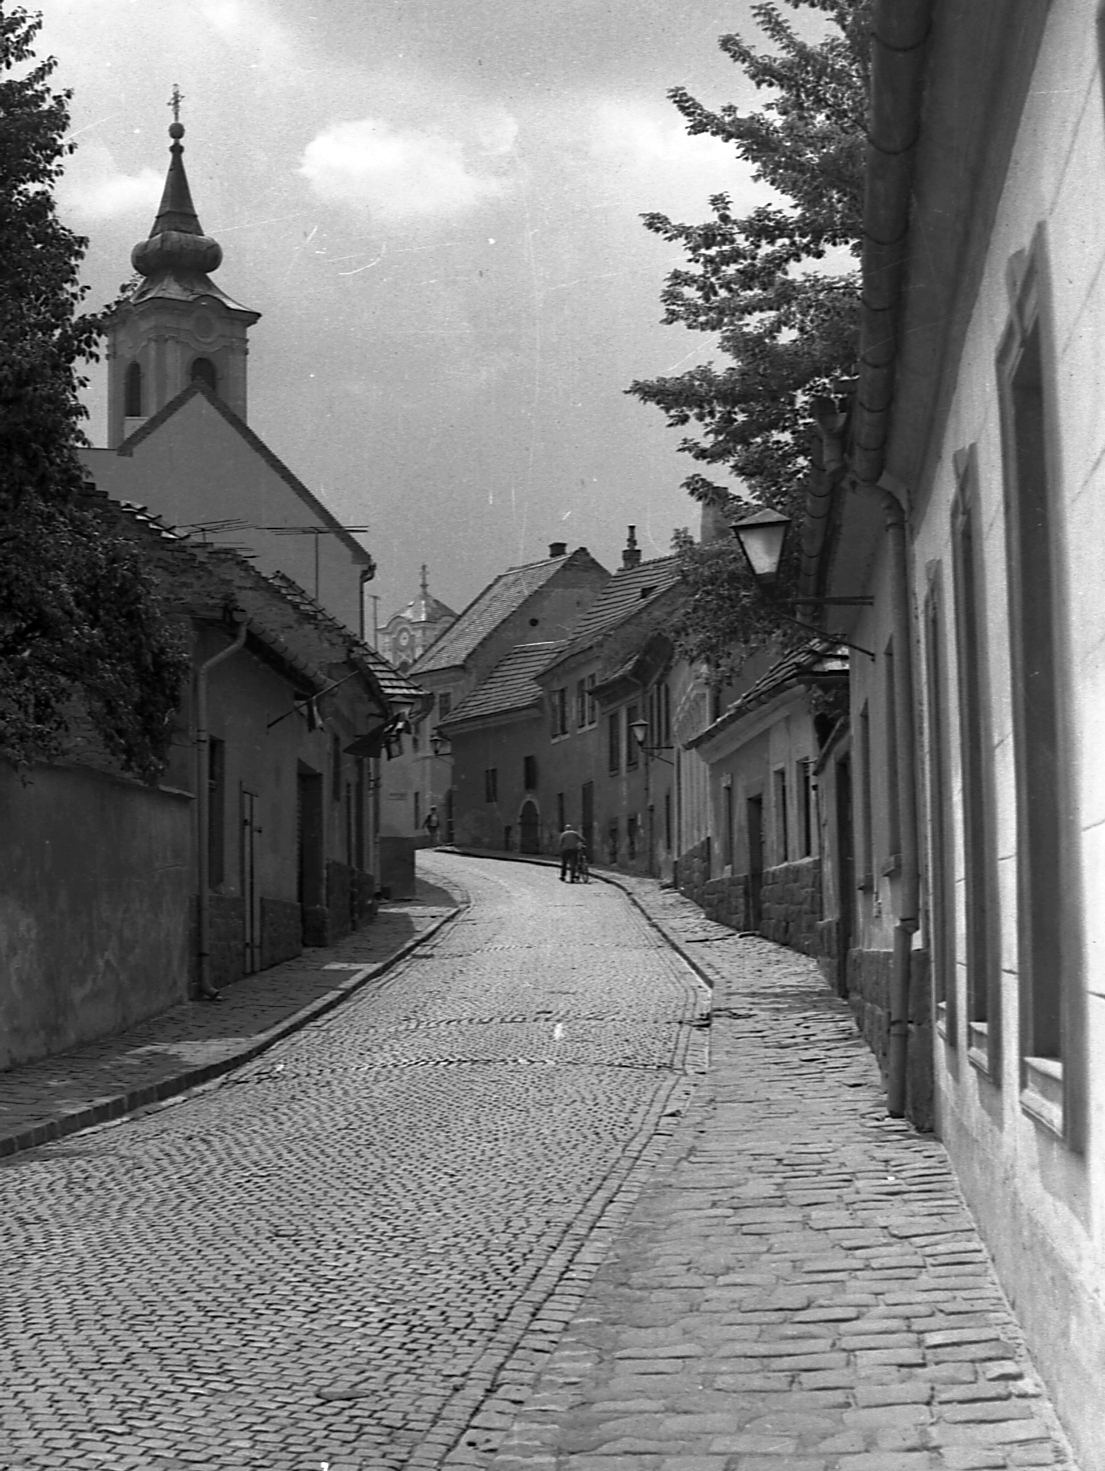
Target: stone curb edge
604, 876
102, 1110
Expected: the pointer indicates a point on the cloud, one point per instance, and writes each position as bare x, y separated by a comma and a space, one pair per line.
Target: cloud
403, 173
95, 189
633, 143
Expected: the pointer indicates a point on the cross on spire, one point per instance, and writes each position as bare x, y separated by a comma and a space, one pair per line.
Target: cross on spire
174, 102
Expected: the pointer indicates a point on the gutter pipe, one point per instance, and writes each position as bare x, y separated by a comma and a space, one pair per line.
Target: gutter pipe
203, 806
899, 35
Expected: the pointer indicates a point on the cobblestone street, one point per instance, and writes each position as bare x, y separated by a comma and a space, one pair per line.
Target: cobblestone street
501, 1210
334, 1255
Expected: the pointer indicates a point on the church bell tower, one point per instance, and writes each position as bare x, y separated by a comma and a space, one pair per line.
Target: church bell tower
176, 327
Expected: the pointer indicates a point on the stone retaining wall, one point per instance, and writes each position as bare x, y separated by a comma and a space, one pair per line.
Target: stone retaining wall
869, 974
281, 931
790, 905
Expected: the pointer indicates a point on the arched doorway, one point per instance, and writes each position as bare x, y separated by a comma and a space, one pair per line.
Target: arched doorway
529, 823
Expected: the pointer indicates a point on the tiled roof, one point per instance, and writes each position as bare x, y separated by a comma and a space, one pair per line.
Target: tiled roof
509, 686
628, 591
328, 639
817, 660
486, 611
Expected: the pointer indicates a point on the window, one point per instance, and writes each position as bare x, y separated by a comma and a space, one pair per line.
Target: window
631, 837
491, 784
612, 841
941, 868
359, 815
132, 392
592, 702
581, 704
203, 371
804, 798
444, 704
613, 734
632, 750
1049, 938
727, 825
665, 715
529, 773
335, 768
667, 821
979, 841
782, 851
560, 711
561, 820
216, 812
417, 812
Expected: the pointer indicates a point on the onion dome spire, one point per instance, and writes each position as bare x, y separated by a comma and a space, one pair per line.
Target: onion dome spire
177, 252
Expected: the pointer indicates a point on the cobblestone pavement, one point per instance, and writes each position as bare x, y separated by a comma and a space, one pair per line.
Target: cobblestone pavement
799, 1287
362, 1246
166, 1054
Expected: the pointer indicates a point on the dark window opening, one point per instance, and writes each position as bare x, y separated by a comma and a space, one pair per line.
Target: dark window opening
132, 392
203, 371
529, 773
614, 741
491, 784
941, 869
632, 750
805, 809
782, 847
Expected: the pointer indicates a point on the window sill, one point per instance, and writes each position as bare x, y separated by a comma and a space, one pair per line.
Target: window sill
892, 865
866, 884
1042, 1094
942, 1019
978, 1048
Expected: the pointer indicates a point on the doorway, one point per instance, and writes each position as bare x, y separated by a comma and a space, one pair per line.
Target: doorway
311, 879
846, 863
529, 824
755, 812
251, 889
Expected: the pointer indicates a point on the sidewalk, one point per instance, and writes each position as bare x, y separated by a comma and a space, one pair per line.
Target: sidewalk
799, 1286
198, 1041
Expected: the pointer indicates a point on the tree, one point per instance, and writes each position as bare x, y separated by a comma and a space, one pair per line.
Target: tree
789, 331
81, 633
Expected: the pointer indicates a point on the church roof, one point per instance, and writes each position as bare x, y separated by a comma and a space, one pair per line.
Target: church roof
258, 445
488, 609
510, 686
425, 608
176, 256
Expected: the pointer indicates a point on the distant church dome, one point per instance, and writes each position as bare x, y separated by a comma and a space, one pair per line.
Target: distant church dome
411, 631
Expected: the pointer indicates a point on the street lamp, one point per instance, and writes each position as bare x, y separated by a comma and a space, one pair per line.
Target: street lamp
761, 537
639, 731
439, 743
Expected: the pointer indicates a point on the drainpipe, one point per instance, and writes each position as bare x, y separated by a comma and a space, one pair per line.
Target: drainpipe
899, 35
203, 806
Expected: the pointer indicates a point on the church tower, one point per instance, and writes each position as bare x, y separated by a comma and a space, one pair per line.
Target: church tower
176, 327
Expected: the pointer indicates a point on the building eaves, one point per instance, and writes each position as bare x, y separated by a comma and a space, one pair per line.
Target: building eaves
630, 592
819, 662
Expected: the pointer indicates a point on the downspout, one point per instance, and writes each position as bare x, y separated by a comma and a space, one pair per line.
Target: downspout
899, 36
203, 807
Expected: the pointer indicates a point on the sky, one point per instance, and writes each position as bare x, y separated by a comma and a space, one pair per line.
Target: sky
435, 205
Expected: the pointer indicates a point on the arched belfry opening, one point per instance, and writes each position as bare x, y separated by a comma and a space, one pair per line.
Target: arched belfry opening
133, 392
203, 371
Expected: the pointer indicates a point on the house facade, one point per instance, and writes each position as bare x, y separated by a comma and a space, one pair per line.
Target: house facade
965, 500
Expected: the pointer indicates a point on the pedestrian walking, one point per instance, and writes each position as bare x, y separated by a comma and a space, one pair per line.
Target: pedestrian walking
570, 841
432, 825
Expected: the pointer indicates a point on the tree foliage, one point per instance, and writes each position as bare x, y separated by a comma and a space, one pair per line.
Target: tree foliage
788, 331
80, 629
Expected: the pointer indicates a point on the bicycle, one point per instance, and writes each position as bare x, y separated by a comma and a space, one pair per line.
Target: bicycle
583, 871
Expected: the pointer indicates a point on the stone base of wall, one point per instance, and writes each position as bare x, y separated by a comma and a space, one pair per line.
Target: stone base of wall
316, 924
828, 955
281, 931
790, 905
350, 902
727, 900
869, 975
693, 871
339, 902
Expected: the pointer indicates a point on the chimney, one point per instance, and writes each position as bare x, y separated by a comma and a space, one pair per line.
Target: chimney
631, 552
558, 548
